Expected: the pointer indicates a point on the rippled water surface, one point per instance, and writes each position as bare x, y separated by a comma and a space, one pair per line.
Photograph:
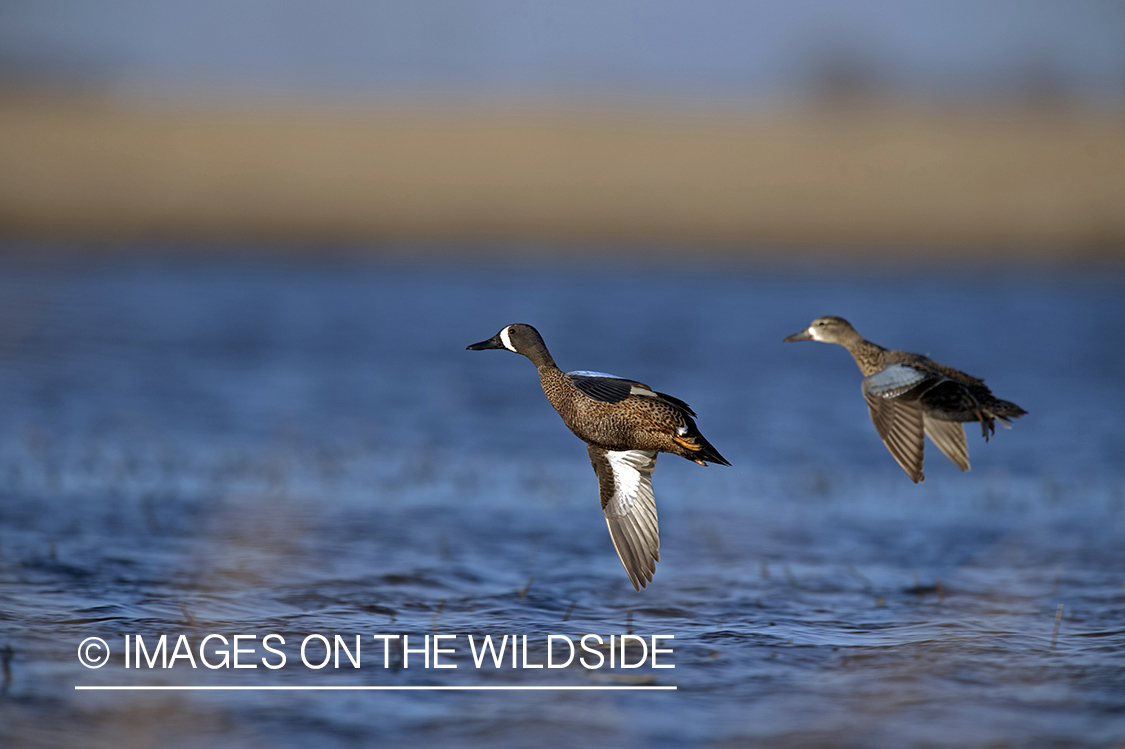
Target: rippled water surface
211, 446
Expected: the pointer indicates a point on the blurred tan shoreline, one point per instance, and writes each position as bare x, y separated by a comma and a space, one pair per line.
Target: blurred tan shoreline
876, 178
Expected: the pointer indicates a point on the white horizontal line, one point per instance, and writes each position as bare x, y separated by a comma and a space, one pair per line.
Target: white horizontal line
509, 688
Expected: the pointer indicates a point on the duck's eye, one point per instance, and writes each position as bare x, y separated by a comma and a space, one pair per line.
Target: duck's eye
820, 324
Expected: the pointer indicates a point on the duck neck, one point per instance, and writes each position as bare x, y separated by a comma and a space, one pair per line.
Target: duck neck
540, 357
868, 356
556, 385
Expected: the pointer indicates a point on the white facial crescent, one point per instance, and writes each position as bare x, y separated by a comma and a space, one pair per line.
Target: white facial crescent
506, 338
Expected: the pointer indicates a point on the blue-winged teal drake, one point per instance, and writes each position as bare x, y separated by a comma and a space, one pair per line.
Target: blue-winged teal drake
624, 424
908, 395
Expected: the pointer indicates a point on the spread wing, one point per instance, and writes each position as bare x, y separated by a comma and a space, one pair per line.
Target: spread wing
899, 421
949, 436
625, 484
609, 388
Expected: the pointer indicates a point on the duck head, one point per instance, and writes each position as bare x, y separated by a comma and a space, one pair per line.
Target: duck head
519, 339
829, 329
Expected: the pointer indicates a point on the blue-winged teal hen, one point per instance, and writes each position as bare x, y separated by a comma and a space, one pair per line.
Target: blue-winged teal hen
624, 424
908, 395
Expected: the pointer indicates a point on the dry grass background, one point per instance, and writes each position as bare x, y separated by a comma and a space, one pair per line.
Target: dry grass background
878, 176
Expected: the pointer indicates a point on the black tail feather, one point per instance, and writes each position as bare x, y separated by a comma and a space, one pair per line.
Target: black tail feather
707, 451
1004, 410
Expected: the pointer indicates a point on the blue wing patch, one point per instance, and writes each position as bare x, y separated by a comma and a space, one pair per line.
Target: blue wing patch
894, 381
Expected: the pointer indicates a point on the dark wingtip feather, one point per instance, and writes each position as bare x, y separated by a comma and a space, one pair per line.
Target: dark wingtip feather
676, 402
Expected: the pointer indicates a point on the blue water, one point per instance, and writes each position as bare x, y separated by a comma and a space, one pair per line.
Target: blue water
296, 447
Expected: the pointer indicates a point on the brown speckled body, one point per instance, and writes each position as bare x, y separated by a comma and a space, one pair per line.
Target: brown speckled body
613, 413
636, 423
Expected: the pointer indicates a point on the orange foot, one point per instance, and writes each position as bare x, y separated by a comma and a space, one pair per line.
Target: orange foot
985, 422
687, 443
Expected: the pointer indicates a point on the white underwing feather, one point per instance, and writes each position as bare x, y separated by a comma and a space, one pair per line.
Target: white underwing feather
630, 509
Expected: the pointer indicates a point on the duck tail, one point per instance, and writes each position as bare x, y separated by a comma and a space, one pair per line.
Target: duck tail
711, 454
694, 446
998, 410
1005, 410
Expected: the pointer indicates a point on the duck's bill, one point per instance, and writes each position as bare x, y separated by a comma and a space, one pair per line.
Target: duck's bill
802, 336
493, 342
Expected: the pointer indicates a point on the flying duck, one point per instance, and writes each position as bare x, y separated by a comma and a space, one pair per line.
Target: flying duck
625, 424
909, 394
